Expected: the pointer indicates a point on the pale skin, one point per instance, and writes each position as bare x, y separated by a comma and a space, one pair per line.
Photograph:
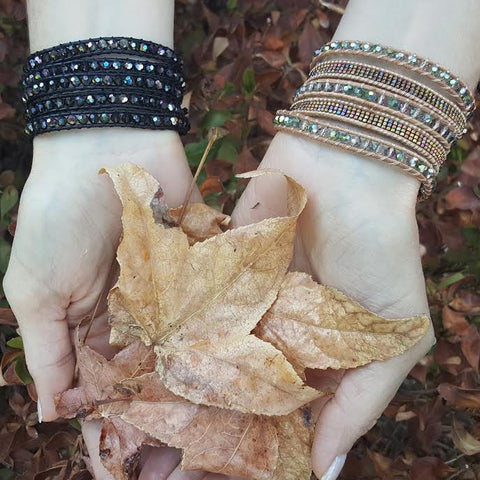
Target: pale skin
357, 234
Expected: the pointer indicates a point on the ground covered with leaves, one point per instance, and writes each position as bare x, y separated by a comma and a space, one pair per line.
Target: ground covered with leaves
244, 59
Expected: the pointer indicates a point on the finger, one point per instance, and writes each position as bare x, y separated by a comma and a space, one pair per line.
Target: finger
91, 434
359, 400
264, 197
46, 340
160, 463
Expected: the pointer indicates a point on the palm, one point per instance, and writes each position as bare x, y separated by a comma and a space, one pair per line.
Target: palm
358, 233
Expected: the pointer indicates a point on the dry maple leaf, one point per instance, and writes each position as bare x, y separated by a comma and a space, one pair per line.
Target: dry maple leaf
197, 304
97, 393
316, 326
213, 439
137, 409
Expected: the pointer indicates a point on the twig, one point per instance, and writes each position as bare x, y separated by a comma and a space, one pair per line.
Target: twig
332, 7
212, 140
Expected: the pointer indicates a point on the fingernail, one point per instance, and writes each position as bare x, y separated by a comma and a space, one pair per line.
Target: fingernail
39, 411
335, 468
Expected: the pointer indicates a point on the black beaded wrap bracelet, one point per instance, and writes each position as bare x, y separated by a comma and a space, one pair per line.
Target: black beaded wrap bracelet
101, 82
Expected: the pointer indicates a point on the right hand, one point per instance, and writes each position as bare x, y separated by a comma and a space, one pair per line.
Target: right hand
68, 229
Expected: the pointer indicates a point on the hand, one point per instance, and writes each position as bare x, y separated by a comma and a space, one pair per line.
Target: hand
67, 234
358, 234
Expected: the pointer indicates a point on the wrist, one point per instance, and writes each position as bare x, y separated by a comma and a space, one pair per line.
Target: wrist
335, 177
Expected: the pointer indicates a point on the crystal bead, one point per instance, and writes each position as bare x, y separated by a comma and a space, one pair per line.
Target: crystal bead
82, 118
112, 98
136, 118
102, 43
97, 80
79, 101
399, 55
427, 118
412, 59
133, 99
139, 66
85, 79
105, 64
128, 65
71, 119
61, 121
354, 140
123, 43
104, 118
143, 47
421, 167
123, 98
314, 128
414, 112
116, 65
101, 98
90, 99
128, 80
133, 45
75, 81
156, 120
393, 103
366, 47
400, 156
150, 82
158, 84
174, 120
413, 162
365, 143
91, 46
344, 44
107, 80
150, 68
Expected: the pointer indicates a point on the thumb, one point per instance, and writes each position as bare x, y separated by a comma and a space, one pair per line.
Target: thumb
358, 402
45, 334
264, 197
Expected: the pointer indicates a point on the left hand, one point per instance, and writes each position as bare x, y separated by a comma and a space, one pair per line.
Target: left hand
358, 234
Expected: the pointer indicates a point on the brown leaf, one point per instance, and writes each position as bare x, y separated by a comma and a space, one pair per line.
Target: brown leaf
462, 198
119, 448
213, 439
200, 221
319, 327
429, 468
454, 321
211, 185
197, 304
7, 317
308, 42
460, 397
295, 438
98, 378
465, 442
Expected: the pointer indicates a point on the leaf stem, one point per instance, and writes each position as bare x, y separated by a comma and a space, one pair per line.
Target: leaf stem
211, 141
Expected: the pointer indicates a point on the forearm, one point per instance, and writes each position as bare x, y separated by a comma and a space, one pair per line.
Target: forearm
51, 22
446, 32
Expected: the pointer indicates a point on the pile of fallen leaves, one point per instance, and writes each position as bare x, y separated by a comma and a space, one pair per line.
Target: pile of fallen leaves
244, 60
